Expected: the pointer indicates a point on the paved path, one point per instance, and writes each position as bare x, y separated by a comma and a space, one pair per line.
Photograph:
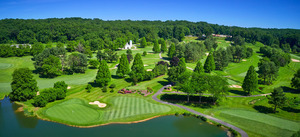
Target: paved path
242, 132
175, 92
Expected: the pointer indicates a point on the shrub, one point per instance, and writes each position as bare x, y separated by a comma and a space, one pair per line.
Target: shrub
176, 114
104, 89
39, 101
144, 53
186, 114
60, 94
89, 88
219, 125
112, 86
61, 85
94, 63
203, 118
235, 133
112, 90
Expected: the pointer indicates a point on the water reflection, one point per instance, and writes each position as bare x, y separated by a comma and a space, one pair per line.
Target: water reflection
24, 121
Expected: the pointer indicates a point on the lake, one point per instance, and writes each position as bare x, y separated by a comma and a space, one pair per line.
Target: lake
16, 124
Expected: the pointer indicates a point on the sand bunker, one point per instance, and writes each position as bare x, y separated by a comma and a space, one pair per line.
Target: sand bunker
295, 60
207, 54
149, 69
235, 86
244, 60
145, 65
100, 105
37, 93
68, 87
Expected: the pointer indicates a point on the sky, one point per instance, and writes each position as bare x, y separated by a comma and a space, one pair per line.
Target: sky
243, 13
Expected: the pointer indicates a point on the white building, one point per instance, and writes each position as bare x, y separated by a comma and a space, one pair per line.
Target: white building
129, 46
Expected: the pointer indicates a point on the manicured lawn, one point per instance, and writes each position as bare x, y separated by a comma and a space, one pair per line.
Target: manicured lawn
74, 111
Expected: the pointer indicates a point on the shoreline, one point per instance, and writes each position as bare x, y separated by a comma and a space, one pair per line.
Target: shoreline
104, 124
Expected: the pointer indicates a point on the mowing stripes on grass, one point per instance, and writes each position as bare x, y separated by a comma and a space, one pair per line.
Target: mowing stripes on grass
131, 106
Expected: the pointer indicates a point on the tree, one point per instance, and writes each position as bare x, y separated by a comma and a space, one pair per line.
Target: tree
51, 67
71, 46
163, 46
137, 69
267, 70
61, 85
250, 83
37, 48
77, 62
182, 65
23, 86
277, 98
94, 63
155, 48
39, 101
296, 80
199, 68
123, 67
143, 42
172, 50
112, 86
209, 64
187, 88
89, 88
129, 55
218, 87
238, 40
103, 74
144, 53
160, 69
174, 61
199, 83
221, 58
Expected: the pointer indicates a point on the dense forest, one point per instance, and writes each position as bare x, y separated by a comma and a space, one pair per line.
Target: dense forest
107, 33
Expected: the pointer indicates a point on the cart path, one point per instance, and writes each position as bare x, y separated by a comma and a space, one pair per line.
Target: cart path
242, 132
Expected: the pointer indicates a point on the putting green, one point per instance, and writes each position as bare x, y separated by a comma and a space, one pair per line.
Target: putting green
73, 111
5, 65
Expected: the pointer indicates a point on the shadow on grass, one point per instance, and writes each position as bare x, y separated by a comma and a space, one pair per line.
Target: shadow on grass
163, 82
206, 102
242, 93
263, 109
289, 89
166, 58
116, 77
289, 109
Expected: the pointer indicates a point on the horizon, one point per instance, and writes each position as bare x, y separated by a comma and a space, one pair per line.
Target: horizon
247, 14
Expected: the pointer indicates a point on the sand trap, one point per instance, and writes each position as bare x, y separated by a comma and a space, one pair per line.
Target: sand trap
68, 87
145, 65
295, 60
207, 54
244, 60
100, 105
149, 69
235, 86
37, 93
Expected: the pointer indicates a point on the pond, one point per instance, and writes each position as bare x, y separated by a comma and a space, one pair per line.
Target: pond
16, 124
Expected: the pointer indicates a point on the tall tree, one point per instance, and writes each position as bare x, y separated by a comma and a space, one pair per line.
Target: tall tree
155, 48
209, 64
51, 67
267, 70
199, 83
163, 46
123, 67
250, 83
199, 68
23, 86
172, 50
182, 65
137, 69
277, 98
218, 87
143, 42
103, 75
187, 88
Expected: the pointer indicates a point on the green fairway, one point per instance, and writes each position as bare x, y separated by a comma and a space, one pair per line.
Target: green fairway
254, 122
73, 111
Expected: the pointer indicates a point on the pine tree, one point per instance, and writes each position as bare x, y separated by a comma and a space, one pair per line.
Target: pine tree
277, 98
250, 83
123, 67
138, 65
182, 65
23, 86
143, 42
171, 50
103, 75
199, 68
209, 63
155, 48
163, 46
